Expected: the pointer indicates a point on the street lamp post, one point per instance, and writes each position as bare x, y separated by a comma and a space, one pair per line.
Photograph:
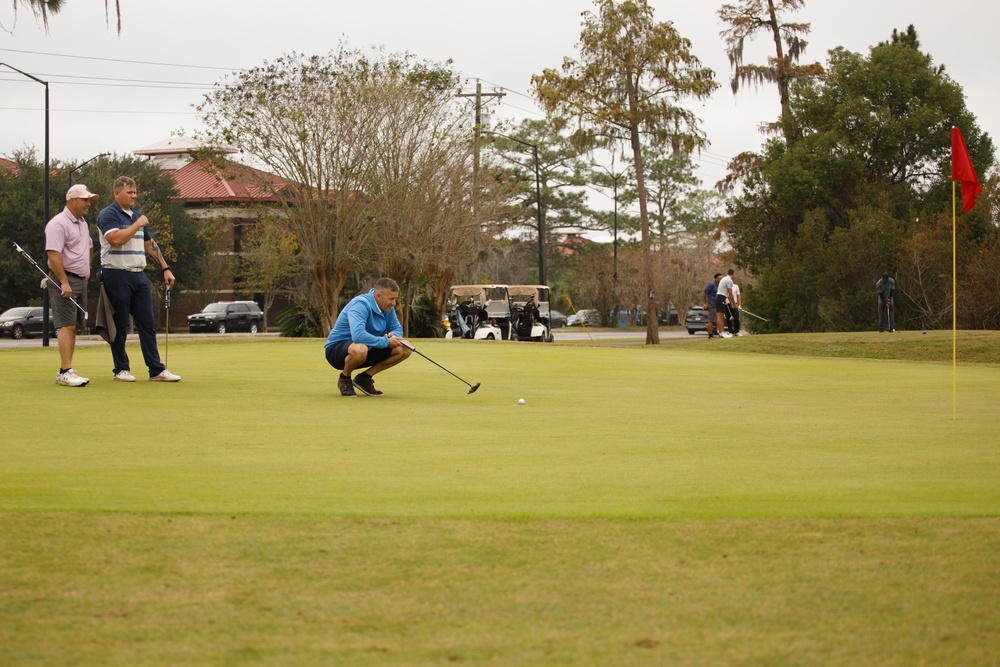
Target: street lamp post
83, 164
45, 293
538, 204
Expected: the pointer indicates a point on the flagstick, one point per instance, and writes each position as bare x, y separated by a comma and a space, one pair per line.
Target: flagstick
954, 305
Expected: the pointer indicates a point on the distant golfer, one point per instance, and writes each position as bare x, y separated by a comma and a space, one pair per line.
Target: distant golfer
885, 288
367, 334
733, 313
708, 300
724, 297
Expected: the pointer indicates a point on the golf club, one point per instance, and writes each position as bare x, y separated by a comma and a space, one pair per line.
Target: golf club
166, 346
744, 310
406, 344
888, 315
47, 277
729, 319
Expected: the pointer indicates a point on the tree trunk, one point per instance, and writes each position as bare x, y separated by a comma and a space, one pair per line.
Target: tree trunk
652, 330
327, 291
781, 65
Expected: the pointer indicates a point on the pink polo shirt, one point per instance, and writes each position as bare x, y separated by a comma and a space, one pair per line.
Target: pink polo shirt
70, 237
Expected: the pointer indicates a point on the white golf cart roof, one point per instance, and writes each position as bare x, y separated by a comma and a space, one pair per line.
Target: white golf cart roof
484, 292
536, 292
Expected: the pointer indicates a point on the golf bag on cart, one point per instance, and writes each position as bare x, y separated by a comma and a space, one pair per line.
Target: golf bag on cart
466, 318
525, 316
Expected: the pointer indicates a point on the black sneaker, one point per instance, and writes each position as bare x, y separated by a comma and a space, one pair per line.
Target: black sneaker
366, 384
346, 387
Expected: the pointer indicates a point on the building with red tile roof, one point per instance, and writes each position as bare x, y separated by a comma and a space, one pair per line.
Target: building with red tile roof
218, 189
203, 182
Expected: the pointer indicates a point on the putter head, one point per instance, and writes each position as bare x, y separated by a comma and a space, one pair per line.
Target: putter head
473, 388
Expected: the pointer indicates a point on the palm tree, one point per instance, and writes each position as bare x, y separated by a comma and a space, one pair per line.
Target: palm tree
43, 8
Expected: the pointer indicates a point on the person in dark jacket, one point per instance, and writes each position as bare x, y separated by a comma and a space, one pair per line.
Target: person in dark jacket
885, 288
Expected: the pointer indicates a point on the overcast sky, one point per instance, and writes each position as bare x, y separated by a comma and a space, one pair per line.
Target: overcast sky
144, 84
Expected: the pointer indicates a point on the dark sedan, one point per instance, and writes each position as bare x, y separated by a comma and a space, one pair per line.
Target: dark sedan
556, 319
24, 322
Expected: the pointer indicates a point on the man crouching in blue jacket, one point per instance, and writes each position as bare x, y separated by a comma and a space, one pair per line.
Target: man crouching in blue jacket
367, 334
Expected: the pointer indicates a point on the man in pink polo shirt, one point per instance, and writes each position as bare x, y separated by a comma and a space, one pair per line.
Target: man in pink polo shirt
70, 253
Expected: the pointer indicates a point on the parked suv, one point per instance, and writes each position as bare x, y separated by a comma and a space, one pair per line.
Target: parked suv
223, 316
696, 320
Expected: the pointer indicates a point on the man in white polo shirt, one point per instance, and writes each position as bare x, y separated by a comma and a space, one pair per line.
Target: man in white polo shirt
723, 297
70, 253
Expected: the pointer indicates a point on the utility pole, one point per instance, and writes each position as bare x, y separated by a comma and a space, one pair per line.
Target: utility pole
479, 95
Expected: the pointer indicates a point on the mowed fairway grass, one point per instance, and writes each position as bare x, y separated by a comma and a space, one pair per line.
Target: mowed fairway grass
694, 503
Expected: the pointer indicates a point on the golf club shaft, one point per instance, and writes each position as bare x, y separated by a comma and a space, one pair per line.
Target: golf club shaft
744, 310
48, 277
413, 349
166, 346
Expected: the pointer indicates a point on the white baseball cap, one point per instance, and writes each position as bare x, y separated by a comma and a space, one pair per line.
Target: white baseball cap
79, 191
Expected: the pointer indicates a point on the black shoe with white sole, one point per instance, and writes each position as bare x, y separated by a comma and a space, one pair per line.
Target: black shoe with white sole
366, 384
346, 387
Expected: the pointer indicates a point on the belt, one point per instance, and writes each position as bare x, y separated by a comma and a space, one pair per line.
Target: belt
132, 270
69, 273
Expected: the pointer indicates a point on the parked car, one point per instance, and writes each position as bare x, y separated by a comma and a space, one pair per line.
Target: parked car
667, 316
24, 322
585, 316
223, 316
696, 320
557, 319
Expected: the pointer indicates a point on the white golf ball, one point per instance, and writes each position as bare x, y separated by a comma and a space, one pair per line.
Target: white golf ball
520, 401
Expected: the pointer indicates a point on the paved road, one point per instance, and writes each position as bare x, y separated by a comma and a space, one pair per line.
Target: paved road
97, 340
632, 336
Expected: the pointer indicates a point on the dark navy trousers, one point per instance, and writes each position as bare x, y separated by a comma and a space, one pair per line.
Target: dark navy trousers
129, 294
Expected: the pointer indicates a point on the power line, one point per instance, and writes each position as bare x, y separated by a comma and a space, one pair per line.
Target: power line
128, 85
102, 111
509, 90
105, 78
116, 60
534, 112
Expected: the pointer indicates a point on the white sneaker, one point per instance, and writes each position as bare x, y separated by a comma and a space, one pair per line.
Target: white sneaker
71, 379
124, 376
165, 376
726, 334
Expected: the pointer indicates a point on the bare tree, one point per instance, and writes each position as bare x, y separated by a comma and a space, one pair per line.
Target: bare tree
270, 260
319, 123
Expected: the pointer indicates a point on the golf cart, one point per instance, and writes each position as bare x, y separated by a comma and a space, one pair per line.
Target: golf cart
479, 312
529, 312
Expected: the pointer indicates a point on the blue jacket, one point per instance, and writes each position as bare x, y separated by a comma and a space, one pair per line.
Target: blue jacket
362, 321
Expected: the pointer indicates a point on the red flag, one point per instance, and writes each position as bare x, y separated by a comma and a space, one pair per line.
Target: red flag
962, 171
